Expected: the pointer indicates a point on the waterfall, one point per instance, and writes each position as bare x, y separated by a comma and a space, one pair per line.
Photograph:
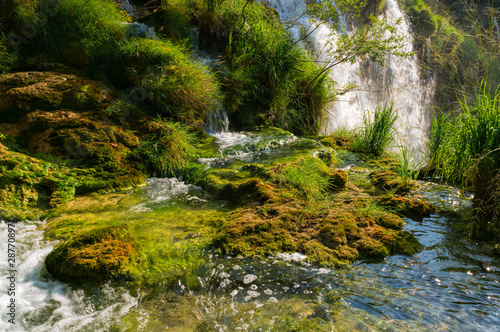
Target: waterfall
216, 121
496, 26
399, 81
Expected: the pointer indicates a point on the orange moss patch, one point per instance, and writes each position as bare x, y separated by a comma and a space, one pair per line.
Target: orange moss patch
97, 255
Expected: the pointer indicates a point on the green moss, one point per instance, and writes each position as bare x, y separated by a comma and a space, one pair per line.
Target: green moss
97, 255
408, 206
329, 234
337, 179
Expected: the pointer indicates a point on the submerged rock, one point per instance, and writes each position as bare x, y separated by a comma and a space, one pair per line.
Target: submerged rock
96, 255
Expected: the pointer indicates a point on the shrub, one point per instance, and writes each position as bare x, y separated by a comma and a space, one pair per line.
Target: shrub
166, 78
83, 32
166, 150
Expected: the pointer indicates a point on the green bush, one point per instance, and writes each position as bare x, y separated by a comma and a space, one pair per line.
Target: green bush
164, 77
84, 32
166, 150
377, 132
266, 78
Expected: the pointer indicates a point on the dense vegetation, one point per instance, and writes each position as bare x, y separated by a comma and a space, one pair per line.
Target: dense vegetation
98, 108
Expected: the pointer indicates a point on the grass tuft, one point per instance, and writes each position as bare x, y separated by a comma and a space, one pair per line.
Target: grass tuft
377, 132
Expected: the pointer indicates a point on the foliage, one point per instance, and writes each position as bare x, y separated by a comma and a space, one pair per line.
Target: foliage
377, 131
265, 76
6, 58
461, 44
83, 32
166, 150
166, 78
470, 152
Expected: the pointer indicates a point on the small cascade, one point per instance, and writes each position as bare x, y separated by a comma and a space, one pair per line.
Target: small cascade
216, 121
126, 6
496, 26
428, 52
132, 10
398, 82
141, 30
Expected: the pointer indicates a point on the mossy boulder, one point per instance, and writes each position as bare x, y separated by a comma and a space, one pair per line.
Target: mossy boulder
408, 206
337, 179
329, 234
389, 180
97, 255
24, 92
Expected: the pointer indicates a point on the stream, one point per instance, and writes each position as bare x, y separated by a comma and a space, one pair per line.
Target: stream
451, 285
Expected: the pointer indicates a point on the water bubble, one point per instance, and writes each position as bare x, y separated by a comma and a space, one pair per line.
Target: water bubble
273, 300
268, 292
254, 287
236, 267
248, 298
234, 293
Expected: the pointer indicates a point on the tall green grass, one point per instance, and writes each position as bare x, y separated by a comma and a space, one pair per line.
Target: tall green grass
85, 33
469, 153
264, 75
165, 77
377, 132
166, 150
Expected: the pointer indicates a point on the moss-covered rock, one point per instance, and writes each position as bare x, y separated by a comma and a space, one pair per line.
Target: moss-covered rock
329, 234
97, 255
389, 180
337, 179
408, 206
25, 92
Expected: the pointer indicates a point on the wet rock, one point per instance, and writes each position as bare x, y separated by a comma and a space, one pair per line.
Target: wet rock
96, 255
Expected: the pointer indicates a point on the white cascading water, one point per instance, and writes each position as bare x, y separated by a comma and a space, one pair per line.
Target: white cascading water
45, 304
398, 82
